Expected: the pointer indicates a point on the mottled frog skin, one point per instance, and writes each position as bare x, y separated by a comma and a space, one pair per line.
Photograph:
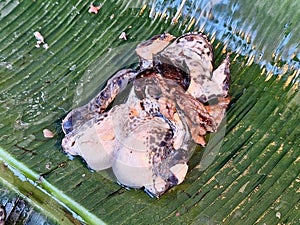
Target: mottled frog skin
175, 98
2, 215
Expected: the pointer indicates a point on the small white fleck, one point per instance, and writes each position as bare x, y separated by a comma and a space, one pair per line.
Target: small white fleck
94, 9
39, 37
73, 67
45, 46
40, 40
43, 96
278, 215
6, 64
48, 133
48, 166
123, 36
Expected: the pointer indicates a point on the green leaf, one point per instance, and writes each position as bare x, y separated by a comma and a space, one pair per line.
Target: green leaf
250, 175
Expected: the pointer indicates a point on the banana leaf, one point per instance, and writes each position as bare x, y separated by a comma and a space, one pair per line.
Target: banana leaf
250, 171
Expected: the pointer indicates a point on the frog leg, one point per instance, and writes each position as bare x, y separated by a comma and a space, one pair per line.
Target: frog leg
221, 76
93, 141
114, 86
99, 104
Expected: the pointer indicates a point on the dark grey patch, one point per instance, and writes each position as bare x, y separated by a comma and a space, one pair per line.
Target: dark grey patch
172, 180
152, 140
202, 99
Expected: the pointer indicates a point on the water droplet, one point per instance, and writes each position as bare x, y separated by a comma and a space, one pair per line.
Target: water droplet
73, 67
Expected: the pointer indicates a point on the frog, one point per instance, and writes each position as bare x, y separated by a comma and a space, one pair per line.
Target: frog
2, 215
174, 99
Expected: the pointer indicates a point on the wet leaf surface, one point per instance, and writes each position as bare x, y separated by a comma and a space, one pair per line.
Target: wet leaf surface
251, 177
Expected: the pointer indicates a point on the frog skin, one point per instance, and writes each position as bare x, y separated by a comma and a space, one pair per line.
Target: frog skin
175, 98
2, 215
